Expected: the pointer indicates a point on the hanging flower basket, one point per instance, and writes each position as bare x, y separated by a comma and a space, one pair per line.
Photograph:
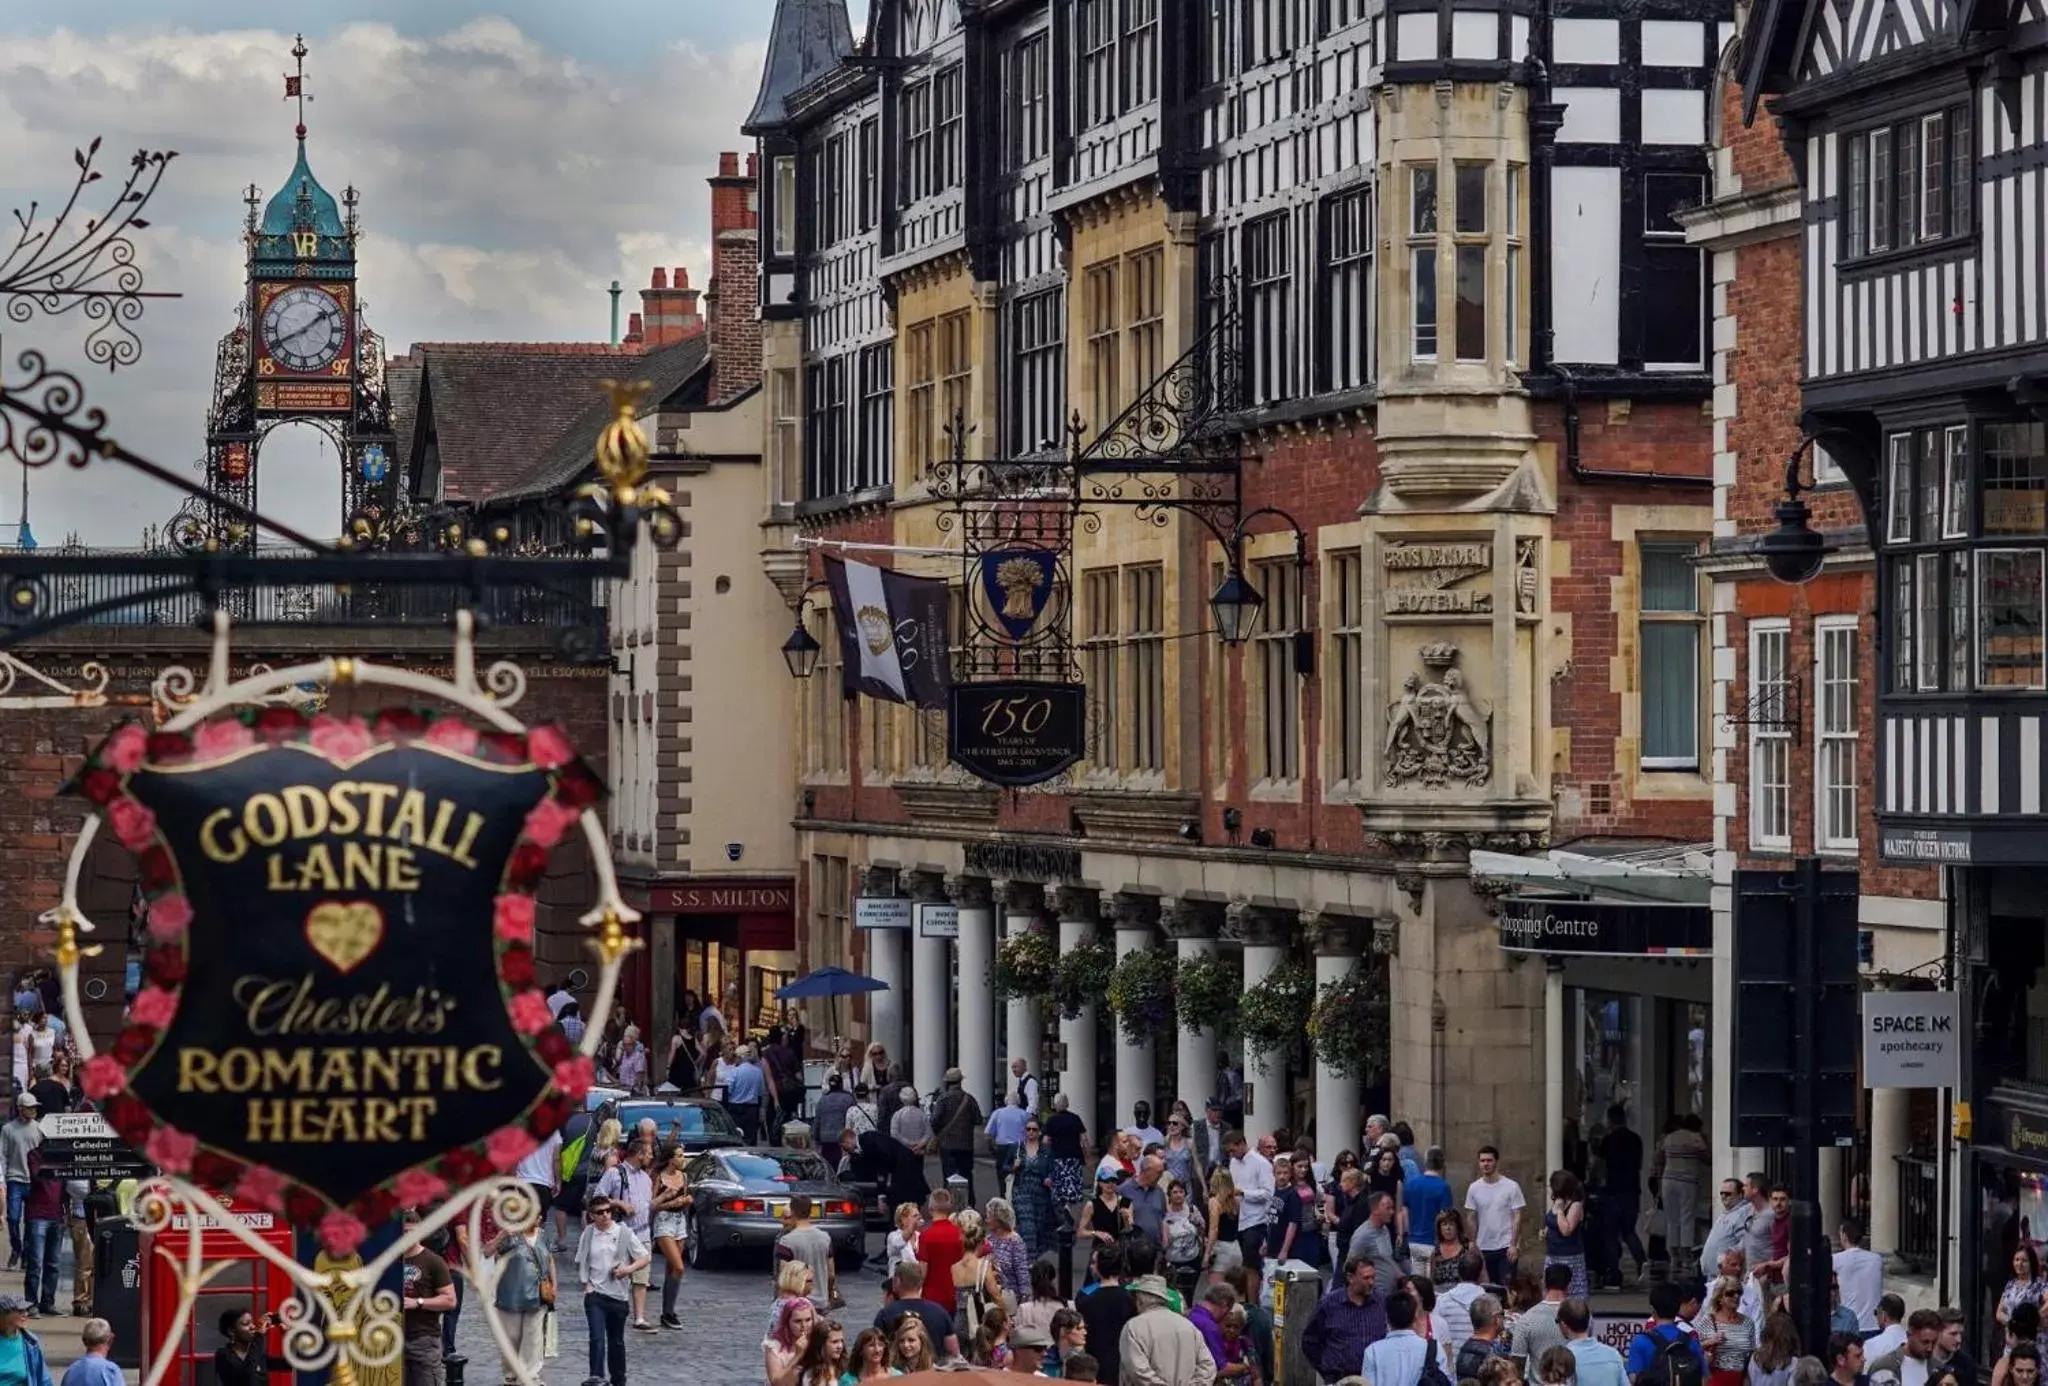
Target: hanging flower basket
1209, 987
1274, 1013
1348, 1027
1141, 992
1027, 964
1083, 977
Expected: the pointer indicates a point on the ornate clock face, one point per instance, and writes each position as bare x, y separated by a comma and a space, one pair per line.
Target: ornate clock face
304, 329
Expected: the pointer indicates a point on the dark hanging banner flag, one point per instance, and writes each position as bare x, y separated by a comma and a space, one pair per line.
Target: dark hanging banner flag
341, 1009
893, 633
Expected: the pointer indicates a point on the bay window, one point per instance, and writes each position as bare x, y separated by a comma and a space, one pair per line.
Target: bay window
1908, 182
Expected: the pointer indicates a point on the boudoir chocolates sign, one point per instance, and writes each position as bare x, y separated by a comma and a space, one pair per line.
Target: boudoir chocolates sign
341, 1008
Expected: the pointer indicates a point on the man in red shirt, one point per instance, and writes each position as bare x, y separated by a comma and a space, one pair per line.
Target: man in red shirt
939, 1246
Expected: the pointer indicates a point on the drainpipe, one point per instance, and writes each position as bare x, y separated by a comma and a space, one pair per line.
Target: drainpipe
615, 312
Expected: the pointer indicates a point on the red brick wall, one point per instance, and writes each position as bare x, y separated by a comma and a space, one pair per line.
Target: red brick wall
734, 322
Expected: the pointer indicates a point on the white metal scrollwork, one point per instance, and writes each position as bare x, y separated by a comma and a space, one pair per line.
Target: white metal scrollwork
90, 692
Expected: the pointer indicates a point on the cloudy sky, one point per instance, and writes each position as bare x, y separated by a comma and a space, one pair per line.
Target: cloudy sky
512, 159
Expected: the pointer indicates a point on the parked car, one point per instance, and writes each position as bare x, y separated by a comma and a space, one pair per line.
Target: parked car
700, 1123
743, 1196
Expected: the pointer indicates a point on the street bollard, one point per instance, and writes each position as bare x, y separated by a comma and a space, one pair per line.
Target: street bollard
454, 1365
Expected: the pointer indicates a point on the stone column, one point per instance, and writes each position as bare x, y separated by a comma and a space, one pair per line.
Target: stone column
886, 963
1194, 925
1137, 919
1553, 1066
975, 1054
1340, 941
1080, 1080
1889, 1134
931, 983
1023, 906
1265, 937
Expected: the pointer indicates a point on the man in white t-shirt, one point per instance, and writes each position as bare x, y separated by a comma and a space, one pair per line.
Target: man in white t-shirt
1861, 1273
1252, 1173
1495, 1203
542, 1171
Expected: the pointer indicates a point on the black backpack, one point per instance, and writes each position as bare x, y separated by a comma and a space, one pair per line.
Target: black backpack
1432, 1366
1676, 1363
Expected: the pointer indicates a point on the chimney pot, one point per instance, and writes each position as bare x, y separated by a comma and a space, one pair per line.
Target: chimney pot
682, 277
729, 164
633, 327
753, 166
660, 278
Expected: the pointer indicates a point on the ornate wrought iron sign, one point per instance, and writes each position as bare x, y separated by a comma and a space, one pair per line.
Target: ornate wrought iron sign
341, 1005
1017, 733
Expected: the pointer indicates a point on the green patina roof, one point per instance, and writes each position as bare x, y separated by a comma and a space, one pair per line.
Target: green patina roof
282, 215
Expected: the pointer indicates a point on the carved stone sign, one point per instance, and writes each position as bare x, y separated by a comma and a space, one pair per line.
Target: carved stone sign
341, 1008
1431, 572
1436, 734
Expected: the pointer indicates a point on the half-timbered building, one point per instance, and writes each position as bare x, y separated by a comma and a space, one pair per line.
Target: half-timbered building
1916, 133
1433, 248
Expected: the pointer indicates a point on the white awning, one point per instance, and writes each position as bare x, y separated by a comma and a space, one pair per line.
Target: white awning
1681, 873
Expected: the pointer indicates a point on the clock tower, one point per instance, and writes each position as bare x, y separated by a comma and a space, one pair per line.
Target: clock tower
301, 351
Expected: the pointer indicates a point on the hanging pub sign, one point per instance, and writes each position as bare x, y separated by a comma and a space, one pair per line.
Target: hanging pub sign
1015, 734
340, 1014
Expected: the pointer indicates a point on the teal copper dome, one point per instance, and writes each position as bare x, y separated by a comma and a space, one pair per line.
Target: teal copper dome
302, 204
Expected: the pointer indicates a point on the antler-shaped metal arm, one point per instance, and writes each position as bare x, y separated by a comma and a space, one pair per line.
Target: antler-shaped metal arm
56, 266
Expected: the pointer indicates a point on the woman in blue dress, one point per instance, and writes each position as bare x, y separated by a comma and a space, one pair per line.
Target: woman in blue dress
1031, 1192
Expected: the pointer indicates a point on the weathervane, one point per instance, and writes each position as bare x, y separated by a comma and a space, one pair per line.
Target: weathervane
295, 82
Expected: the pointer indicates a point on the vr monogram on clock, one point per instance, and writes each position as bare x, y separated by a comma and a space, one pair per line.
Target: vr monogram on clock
304, 329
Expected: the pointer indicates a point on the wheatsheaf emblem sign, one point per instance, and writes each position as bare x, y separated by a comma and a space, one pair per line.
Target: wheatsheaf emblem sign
340, 1009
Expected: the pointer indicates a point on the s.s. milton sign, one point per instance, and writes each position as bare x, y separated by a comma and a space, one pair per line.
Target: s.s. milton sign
333, 992
723, 897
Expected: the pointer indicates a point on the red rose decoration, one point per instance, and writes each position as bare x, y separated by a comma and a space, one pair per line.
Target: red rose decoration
548, 747
169, 748
100, 786
165, 967
553, 1046
303, 1206
529, 863
214, 1171
515, 965
400, 723
508, 748
130, 1118
159, 874
135, 1041
376, 1206
549, 1117
464, 1166
279, 723
576, 786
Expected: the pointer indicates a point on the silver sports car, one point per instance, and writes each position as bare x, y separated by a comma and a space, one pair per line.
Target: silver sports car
743, 1196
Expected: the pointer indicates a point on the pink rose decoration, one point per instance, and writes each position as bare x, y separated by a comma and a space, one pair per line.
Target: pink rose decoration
509, 1145
102, 1076
549, 821
154, 1007
512, 920
341, 1233
416, 1188
573, 1077
263, 1187
530, 1013
171, 1149
548, 748
169, 917
214, 740
452, 734
133, 823
339, 739
126, 749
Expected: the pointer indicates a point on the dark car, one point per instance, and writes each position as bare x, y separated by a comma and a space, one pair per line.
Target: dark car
743, 1196
700, 1123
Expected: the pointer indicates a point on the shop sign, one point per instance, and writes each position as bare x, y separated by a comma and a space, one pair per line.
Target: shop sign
2026, 1134
340, 1012
1911, 1039
938, 921
1023, 861
82, 1145
723, 897
1016, 734
1924, 844
881, 912
1604, 928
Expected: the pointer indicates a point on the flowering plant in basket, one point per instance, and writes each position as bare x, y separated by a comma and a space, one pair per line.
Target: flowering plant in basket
1348, 1026
1274, 1013
1084, 973
1027, 964
1141, 992
1210, 986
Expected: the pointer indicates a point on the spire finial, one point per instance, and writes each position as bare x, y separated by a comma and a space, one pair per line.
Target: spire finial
295, 83
253, 199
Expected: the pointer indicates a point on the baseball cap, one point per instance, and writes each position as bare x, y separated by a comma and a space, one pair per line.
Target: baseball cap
14, 1304
1026, 1336
26, 1099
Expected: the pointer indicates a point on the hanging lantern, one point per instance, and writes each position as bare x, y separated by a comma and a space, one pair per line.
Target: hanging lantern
234, 462
375, 464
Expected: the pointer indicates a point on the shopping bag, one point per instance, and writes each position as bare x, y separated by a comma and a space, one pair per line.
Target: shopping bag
550, 1336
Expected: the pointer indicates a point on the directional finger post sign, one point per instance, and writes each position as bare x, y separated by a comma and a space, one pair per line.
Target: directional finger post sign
84, 1145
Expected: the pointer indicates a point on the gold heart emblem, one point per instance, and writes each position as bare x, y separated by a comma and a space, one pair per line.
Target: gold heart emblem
345, 934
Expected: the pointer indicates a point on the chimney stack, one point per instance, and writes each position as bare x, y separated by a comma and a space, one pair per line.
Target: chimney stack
731, 308
634, 332
669, 309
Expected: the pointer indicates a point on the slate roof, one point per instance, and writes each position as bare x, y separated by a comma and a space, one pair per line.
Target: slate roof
402, 382
573, 452
808, 41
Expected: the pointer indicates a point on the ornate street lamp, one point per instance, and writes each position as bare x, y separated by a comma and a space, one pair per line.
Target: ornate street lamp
1794, 550
800, 652
1235, 605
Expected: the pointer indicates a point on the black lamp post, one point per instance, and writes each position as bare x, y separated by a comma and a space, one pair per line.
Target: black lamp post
1235, 605
800, 652
1794, 550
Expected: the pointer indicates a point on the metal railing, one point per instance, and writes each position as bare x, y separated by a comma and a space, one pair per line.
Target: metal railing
1919, 1212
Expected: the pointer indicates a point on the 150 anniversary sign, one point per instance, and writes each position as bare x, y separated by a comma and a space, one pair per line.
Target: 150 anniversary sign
340, 1009
1017, 733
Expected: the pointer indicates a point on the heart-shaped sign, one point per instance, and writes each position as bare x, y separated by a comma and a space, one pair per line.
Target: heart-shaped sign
345, 933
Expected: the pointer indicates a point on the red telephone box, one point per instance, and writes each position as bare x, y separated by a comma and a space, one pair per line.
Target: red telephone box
249, 1282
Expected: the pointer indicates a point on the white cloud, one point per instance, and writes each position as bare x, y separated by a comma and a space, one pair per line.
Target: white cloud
503, 187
